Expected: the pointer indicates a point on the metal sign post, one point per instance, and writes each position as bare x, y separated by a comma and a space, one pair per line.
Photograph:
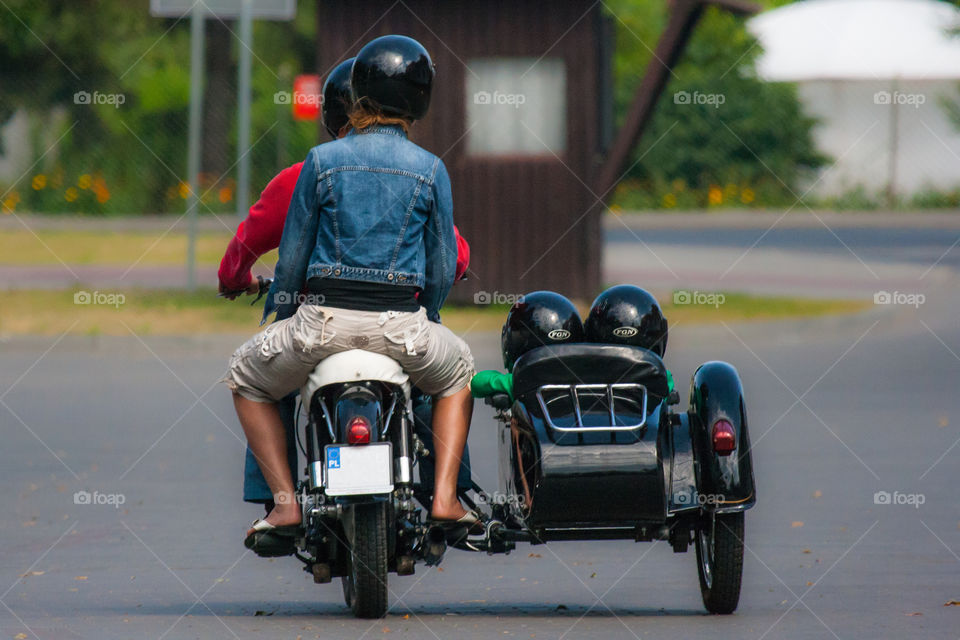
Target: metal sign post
246, 11
243, 108
193, 141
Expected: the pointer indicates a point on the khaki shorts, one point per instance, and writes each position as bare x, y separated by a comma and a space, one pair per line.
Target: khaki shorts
279, 359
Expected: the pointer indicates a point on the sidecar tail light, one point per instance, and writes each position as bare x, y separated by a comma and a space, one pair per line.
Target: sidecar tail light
358, 431
724, 438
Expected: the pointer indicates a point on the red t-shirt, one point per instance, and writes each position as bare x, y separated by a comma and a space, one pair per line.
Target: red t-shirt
260, 233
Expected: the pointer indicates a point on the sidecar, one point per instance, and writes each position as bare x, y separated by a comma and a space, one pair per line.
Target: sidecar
595, 447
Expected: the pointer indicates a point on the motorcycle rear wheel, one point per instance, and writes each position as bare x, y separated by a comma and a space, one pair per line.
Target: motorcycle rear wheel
365, 585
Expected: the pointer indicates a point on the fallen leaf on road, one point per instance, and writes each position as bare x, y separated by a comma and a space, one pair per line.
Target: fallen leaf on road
809, 584
944, 421
534, 555
406, 616
952, 603
30, 523
796, 524
593, 575
915, 613
807, 551
32, 573
20, 636
440, 569
80, 578
818, 494
386, 629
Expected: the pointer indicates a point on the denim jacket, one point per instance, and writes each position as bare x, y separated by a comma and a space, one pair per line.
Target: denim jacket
371, 206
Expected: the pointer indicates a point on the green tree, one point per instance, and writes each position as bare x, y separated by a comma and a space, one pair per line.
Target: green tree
719, 135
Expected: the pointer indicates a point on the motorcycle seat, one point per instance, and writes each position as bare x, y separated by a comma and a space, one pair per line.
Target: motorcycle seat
353, 366
588, 363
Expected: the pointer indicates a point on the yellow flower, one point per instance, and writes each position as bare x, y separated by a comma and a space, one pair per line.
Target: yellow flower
71, 194
669, 201
746, 196
10, 203
715, 196
39, 182
84, 181
184, 190
225, 194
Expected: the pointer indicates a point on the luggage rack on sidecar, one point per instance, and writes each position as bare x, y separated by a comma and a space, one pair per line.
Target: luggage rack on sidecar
590, 407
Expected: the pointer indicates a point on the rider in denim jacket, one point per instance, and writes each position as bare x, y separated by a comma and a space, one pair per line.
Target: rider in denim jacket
404, 190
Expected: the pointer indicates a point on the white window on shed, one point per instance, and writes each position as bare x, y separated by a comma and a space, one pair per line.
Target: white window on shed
516, 106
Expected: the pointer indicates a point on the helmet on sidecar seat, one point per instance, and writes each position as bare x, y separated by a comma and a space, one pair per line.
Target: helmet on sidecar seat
538, 319
337, 98
393, 74
628, 315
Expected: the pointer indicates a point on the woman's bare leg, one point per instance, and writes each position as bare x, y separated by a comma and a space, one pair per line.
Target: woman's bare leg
451, 423
267, 439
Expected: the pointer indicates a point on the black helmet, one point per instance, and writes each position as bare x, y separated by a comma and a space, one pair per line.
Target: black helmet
393, 74
337, 98
626, 314
539, 318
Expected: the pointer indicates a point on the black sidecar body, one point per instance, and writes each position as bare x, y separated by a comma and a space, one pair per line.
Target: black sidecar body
595, 447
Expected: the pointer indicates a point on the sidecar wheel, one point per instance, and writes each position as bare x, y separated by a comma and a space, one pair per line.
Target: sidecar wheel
365, 585
720, 561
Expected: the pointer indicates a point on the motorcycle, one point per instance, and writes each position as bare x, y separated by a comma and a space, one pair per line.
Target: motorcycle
592, 446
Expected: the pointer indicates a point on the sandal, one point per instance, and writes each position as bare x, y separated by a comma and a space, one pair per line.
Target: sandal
270, 541
470, 523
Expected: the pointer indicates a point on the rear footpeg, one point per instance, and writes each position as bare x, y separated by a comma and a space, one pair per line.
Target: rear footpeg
493, 540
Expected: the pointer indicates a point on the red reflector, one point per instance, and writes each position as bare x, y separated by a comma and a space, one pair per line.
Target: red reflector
358, 431
724, 438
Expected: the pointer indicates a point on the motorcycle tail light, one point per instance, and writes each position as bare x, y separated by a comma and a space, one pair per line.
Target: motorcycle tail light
358, 431
724, 438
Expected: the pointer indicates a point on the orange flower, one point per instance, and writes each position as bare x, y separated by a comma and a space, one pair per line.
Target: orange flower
715, 196
39, 182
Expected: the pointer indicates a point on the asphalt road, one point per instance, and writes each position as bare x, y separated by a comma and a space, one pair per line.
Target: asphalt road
840, 409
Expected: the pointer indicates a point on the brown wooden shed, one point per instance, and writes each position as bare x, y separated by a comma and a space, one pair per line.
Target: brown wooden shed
521, 115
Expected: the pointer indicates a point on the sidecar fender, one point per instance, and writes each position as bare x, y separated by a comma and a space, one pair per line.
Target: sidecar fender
726, 482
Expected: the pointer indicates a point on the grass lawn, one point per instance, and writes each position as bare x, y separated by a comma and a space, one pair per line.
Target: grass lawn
166, 312
109, 248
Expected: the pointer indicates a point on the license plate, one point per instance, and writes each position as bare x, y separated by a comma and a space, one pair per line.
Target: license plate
358, 469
